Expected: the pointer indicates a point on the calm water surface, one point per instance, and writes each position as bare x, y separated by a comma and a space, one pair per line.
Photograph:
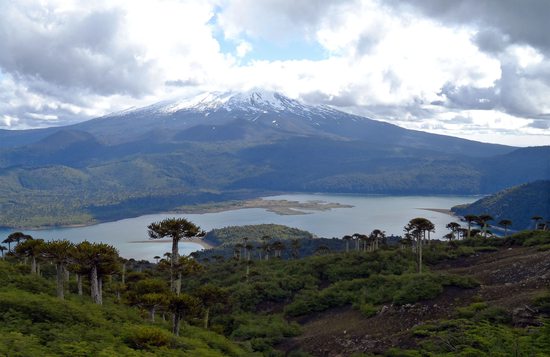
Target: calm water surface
388, 213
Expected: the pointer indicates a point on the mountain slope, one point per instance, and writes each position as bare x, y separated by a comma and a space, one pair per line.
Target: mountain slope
517, 204
221, 145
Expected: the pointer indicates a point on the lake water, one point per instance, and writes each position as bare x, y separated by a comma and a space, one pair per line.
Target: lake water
387, 213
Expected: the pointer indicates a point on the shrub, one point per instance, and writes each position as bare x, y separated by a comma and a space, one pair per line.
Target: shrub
147, 337
368, 310
542, 302
418, 288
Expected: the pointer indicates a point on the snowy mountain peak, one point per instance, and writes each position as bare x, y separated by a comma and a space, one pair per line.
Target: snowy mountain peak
250, 101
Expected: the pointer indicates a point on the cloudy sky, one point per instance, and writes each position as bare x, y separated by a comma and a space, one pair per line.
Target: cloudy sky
477, 69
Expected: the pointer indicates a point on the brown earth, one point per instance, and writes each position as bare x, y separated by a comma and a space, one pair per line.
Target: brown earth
509, 278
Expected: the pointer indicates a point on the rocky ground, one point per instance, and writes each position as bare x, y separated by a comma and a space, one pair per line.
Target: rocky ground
509, 277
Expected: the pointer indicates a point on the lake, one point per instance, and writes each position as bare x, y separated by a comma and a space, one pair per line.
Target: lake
387, 213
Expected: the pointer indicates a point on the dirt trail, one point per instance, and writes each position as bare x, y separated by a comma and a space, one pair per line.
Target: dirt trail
509, 278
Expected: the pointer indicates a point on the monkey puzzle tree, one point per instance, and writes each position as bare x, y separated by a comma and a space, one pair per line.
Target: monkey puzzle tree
99, 260
483, 222
470, 218
149, 294
417, 228
181, 306
376, 237
295, 248
505, 223
347, 239
186, 266
209, 296
30, 248
60, 253
535, 219
177, 229
453, 227
15, 237
2, 249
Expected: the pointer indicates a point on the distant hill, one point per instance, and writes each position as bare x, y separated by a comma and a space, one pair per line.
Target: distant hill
254, 233
221, 146
517, 204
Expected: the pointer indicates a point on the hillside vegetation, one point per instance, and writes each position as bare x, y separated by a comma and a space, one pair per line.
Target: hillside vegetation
372, 298
519, 204
254, 233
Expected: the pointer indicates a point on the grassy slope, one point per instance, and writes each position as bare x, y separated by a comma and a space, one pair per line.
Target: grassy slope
34, 323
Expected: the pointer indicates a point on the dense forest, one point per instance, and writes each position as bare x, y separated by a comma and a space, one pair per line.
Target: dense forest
62, 299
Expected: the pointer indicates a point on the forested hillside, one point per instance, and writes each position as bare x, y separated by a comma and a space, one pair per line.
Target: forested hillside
519, 204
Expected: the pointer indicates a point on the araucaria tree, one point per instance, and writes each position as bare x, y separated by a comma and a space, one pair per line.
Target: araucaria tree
181, 306
98, 260
417, 228
15, 237
483, 222
176, 229
505, 223
470, 218
60, 253
453, 227
30, 248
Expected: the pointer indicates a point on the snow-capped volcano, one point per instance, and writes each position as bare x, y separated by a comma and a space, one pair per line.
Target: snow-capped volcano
255, 100
251, 102
256, 116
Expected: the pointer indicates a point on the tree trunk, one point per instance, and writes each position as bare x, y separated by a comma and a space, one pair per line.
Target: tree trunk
100, 290
420, 256
94, 289
59, 278
38, 268
176, 324
124, 273
178, 284
206, 317
173, 262
79, 284
152, 313
347, 246
33, 265
67, 275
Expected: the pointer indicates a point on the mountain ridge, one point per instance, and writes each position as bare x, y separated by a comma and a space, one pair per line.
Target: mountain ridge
149, 160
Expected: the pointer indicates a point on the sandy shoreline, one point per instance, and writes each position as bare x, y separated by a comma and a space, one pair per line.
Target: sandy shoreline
440, 210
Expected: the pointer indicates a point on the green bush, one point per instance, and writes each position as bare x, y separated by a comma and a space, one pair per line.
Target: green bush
368, 310
542, 302
263, 331
146, 337
419, 288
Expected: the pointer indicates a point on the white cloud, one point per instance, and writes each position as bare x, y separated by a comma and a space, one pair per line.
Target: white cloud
243, 49
419, 66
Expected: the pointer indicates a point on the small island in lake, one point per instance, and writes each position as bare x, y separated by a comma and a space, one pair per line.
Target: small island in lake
280, 207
